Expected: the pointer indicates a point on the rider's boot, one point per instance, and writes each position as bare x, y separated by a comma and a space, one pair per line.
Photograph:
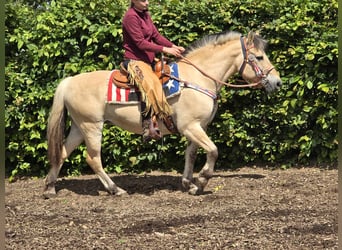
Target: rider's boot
150, 129
150, 126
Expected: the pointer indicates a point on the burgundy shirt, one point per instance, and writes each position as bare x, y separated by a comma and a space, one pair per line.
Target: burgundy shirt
141, 39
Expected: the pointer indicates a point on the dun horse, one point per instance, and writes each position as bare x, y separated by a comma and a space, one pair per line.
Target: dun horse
206, 66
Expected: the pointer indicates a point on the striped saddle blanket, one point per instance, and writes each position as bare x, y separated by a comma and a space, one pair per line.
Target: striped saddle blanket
132, 95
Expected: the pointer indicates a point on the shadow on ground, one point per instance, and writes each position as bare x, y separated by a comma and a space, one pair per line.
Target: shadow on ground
144, 184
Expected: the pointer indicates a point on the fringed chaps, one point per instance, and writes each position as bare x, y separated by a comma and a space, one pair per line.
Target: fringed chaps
142, 76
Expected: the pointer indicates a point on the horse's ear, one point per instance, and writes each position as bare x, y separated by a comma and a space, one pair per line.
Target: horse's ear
250, 38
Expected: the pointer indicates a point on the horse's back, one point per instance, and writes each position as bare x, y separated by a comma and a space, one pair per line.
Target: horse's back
85, 93
92, 79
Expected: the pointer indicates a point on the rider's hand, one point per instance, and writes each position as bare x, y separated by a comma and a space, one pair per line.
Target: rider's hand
174, 50
180, 48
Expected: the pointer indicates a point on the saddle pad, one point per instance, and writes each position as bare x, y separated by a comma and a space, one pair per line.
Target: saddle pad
132, 95
172, 87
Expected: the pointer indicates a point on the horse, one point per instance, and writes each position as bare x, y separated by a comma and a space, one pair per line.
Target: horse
204, 68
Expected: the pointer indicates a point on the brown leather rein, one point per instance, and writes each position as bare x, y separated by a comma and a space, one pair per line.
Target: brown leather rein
246, 60
219, 81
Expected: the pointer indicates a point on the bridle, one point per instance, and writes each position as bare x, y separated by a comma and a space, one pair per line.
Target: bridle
251, 60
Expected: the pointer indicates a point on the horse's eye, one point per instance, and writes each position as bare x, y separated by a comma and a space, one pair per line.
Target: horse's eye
259, 58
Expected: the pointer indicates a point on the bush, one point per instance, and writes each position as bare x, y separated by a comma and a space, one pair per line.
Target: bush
295, 126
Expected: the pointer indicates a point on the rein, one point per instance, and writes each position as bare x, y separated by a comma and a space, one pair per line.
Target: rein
217, 80
250, 59
246, 59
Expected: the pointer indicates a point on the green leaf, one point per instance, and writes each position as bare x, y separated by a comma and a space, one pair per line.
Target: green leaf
304, 138
20, 44
309, 57
309, 84
118, 169
324, 87
35, 135
89, 41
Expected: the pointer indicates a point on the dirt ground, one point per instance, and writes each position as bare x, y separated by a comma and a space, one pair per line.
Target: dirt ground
249, 208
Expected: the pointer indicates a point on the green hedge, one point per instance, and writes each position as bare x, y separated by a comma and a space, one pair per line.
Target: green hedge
298, 125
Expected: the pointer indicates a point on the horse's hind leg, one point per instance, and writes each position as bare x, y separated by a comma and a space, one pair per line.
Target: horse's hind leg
190, 158
197, 135
73, 140
93, 138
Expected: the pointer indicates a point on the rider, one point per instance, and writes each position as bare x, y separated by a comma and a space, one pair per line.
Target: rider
141, 41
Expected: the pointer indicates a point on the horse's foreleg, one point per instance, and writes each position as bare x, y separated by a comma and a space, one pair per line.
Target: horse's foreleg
198, 136
93, 143
73, 140
208, 169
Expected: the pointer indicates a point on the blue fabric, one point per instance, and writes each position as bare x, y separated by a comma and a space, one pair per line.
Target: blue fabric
171, 87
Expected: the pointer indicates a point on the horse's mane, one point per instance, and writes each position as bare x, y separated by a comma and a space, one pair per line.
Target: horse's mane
221, 38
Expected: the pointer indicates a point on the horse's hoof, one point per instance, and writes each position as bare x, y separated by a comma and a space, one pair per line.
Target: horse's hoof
186, 184
202, 181
49, 195
194, 190
121, 192
49, 192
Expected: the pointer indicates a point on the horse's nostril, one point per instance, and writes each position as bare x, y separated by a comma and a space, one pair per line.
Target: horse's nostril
279, 84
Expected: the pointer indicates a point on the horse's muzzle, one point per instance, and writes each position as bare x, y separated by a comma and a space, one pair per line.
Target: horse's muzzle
271, 83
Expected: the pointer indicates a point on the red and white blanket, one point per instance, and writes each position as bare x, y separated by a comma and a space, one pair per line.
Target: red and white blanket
121, 95
132, 95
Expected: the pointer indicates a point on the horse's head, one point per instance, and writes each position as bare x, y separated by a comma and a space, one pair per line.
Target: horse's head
256, 67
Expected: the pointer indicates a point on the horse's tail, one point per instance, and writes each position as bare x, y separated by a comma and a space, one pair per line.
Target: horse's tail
56, 125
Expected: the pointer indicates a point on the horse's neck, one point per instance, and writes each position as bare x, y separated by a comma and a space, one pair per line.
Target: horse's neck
217, 61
